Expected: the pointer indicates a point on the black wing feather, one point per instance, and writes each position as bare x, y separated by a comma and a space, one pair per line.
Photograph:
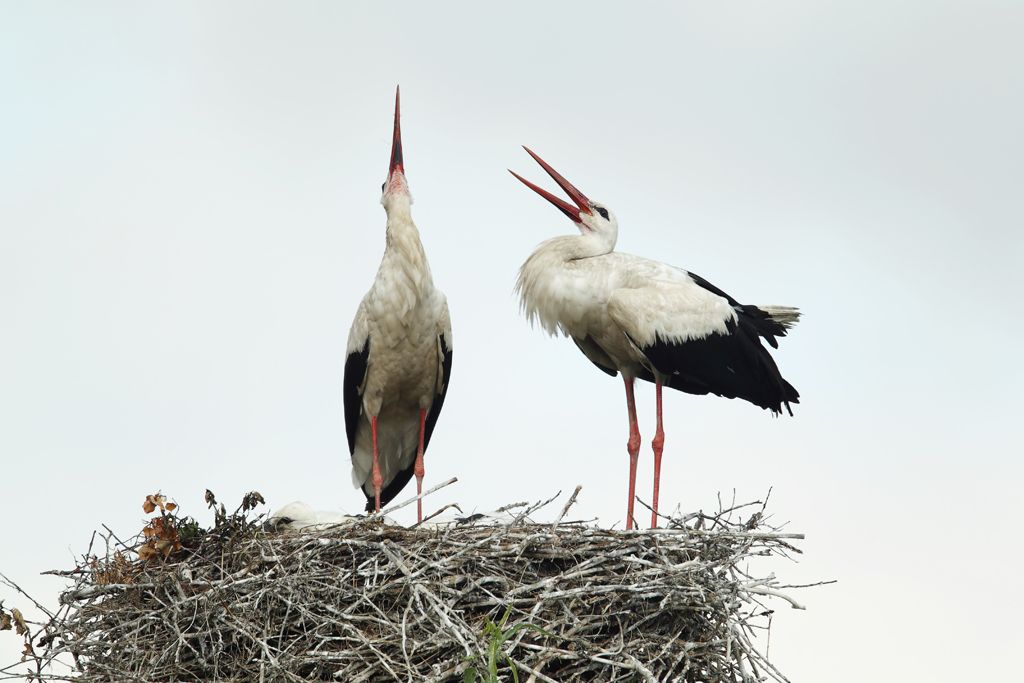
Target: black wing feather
355, 373
435, 407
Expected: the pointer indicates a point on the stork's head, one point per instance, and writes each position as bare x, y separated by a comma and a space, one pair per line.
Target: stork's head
396, 189
592, 218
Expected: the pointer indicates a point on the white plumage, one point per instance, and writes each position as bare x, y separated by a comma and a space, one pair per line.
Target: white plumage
608, 294
648, 320
399, 354
298, 515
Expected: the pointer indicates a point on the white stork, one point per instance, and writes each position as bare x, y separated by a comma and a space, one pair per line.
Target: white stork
649, 320
299, 515
399, 355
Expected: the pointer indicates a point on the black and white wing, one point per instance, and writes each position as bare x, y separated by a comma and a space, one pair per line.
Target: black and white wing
701, 340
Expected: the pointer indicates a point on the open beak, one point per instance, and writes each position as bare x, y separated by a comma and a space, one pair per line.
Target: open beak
580, 199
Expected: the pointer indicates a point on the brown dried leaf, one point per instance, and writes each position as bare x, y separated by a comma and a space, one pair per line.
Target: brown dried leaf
210, 500
157, 500
754, 520
20, 627
116, 570
251, 500
5, 621
28, 651
162, 539
146, 551
171, 507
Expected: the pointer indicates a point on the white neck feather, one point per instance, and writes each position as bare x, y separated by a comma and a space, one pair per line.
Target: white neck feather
404, 274
539, 285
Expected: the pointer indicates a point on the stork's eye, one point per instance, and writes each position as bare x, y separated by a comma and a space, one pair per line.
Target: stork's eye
603, 211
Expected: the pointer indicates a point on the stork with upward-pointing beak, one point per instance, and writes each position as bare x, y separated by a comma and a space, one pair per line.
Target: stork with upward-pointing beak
644, 319
399, 355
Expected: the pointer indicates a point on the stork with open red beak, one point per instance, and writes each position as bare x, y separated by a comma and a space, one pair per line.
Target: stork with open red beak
648, 320
399, 355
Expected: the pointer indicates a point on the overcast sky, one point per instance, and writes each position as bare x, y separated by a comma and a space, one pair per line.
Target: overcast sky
189, 215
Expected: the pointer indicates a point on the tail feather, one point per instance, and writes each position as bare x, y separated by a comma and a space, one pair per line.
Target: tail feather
768, 322
787, 316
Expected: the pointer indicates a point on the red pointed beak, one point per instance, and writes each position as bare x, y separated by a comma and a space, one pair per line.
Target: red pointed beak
396, 141
580, 199
396, 183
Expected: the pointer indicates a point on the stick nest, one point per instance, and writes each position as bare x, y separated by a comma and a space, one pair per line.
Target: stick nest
370, 601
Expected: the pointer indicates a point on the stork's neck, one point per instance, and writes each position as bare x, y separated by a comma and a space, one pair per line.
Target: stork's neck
587, 244
404, 253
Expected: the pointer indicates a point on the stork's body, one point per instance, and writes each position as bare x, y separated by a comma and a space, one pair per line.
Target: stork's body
644, 319
399, 355
648, 320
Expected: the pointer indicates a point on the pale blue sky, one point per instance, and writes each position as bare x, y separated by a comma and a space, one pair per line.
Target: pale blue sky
189, 215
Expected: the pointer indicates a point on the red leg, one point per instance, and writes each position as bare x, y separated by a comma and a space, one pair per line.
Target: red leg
419, 466
657, 444
633, 447
378, 479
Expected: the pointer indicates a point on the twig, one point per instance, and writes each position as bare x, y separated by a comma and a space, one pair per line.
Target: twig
568, 504
435, 514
